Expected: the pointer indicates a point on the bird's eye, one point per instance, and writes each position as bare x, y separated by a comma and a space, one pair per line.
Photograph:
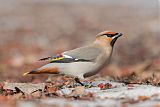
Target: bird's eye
109, 35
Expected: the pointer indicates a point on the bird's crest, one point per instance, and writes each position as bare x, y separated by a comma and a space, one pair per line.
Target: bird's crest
106, 32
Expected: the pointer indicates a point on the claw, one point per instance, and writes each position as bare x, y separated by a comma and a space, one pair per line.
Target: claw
78, 81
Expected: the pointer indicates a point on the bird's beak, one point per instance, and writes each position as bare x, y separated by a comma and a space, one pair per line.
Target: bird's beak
119, 34
115, 38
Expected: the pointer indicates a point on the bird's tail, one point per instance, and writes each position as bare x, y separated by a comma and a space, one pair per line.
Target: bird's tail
46, 58
50, 70
30, 72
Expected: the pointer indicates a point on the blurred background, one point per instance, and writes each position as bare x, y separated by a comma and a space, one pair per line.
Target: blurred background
33, 29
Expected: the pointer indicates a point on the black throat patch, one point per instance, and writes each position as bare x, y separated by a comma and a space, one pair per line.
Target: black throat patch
113, 41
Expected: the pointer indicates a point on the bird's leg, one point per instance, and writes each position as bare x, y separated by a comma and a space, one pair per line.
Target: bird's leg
50, 77
78, 81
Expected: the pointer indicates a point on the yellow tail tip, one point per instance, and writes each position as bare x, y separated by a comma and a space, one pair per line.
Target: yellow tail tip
26, 73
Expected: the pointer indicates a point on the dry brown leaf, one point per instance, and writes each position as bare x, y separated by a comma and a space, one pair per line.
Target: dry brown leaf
143, 98
17, 96
51, 89
78, 91
27, 88
36, 94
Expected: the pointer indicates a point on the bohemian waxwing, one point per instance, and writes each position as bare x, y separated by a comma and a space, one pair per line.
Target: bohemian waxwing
84, 61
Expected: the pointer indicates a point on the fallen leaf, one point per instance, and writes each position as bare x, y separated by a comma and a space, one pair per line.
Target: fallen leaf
8, 92
26, 88
78, 91
36, 94
143, 98
51, 89
17, 96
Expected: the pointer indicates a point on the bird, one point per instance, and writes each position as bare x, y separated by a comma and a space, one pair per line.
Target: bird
81, 62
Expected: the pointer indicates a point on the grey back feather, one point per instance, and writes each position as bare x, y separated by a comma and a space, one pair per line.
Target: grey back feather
90, 52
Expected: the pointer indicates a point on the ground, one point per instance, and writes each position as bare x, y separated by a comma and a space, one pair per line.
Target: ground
96, 93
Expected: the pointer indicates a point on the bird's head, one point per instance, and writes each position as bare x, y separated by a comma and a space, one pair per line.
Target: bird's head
108, 37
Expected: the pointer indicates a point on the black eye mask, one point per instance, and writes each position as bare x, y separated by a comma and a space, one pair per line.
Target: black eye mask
111, 35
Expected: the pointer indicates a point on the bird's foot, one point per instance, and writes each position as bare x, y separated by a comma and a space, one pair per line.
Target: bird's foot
78, 81
48, 80
85, 83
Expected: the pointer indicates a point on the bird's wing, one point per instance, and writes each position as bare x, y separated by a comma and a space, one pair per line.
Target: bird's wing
62, 58
53, 58
89, 53
83, 54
